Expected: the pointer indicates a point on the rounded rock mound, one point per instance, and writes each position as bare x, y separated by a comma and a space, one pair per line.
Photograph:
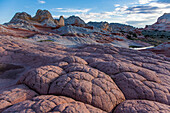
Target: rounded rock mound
40, 78
50, 103
88, 85
142, 106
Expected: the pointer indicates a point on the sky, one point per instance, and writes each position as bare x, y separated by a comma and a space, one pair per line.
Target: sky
137, 13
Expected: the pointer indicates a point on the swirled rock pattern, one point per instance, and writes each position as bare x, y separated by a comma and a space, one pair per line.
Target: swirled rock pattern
91, 78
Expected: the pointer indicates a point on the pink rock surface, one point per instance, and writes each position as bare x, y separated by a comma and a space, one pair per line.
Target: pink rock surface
50, 103
163, 49
15, 94
142, 106
74, 59
100, 76
40, 78
136, 82
89, 86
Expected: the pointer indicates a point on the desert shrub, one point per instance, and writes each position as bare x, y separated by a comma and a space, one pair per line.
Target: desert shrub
46, 41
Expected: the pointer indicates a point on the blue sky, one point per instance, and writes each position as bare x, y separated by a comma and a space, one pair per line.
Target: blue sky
137, 13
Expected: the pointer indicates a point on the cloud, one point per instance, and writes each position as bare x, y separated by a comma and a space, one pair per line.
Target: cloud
41, 2
145, 1
146, 14
137, 15
117, 5
135, 22
68, 10
142, 9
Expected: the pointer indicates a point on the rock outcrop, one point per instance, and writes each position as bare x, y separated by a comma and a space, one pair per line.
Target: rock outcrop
102, 25
50, 103
75, 21
73, 67
42, 18
61, 21
45, 18
116, 27
163, 49
163, 23
15, 94
142, 106
91, 78
89, 86
21, 17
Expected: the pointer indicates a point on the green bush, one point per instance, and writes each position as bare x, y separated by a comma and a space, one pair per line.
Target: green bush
46, 41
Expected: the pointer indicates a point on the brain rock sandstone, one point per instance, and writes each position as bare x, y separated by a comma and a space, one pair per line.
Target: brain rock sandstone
50, 103
15, 94
92, 78
40, 78
142, 106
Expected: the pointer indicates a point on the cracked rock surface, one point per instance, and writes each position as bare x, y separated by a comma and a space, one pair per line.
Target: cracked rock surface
142, 106
50, 103
91, 78
89, 86
12, 95
40, 78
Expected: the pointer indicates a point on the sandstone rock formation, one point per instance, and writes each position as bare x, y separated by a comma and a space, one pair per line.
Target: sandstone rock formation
102, 25
61, 21
40, 78
42, 18
88, 78
68, 66
163, 23
21, 17
163, 49
50, 103
89, 86
76, 21
15, 94
142, 106
116, 27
